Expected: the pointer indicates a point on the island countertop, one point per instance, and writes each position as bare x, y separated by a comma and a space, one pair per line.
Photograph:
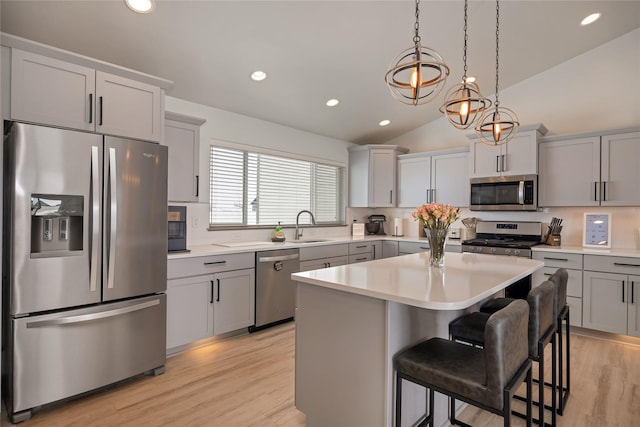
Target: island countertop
465, 280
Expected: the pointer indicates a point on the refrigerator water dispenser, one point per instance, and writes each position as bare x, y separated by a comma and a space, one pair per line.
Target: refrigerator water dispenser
56, 225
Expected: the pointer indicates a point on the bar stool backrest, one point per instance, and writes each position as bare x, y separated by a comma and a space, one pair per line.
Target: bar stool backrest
560, 278
541, 317
505, 345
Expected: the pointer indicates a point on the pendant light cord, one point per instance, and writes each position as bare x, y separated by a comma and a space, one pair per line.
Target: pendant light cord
497, 48
464, 51
416, 37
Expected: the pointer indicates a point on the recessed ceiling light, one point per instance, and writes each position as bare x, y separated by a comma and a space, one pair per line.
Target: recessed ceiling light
140, 6
332, 102
258, 76
590, 19
384, 122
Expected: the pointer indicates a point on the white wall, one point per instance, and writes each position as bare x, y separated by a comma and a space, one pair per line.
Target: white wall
593, 91
231, 127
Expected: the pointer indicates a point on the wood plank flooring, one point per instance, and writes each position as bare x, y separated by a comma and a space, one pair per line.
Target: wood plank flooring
249, 381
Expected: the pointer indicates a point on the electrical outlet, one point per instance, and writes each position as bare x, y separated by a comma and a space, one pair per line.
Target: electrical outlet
194, 222
235, 236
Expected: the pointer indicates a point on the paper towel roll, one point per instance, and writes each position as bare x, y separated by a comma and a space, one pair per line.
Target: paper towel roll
397, 227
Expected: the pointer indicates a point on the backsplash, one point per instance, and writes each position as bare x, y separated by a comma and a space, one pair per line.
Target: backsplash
625, 232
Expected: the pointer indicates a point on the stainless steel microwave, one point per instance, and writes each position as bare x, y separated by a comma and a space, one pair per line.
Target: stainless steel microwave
504, 193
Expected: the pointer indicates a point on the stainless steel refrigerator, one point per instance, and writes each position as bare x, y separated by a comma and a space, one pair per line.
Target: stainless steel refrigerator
84, 263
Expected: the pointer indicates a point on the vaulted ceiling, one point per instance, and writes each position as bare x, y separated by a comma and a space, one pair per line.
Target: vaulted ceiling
317, 50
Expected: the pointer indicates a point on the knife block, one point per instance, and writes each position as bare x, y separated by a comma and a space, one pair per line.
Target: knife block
553, 240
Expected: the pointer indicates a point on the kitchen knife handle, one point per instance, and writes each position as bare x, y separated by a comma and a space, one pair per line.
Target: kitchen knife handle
100, 123
95, 219
211, 300
113, 216
90, 108
218, 296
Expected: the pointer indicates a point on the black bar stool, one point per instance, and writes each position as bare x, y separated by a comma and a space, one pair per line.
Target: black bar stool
541, 331
561, 312
486, 378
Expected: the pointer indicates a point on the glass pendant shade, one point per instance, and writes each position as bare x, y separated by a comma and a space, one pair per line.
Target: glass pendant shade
464, 105
498, 126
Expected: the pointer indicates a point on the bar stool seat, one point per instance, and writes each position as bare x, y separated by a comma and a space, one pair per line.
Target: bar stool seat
541, 331
486, 378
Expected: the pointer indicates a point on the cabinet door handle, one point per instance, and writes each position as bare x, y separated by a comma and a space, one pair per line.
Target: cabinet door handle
623, 264
90, 108
215, 262
328, 264
633, 286
504, 163
427, 196
595, 191
211, 300
390, 196
604, 191
497, 163
218, 296
623, 291
100, 123
197, 185
557, 259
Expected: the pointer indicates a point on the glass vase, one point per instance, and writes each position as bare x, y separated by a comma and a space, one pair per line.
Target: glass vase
437, 238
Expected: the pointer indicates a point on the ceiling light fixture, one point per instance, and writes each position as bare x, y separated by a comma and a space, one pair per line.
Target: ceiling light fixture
590, 19
498, 125
463, 104
332, 102
140, 6
384, 122
258, 76
417, 74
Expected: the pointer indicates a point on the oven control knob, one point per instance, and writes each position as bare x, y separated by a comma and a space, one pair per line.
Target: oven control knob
493, 250
507, 251
516, 252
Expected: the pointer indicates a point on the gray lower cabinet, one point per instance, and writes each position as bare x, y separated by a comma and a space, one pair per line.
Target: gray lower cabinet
611, 294
405, 248
364, 251
208, 296
317, 257
573, 263
389, 248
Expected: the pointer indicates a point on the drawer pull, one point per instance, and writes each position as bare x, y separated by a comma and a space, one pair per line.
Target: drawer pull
424, 247
547, 274
557, 259
622, 264
215, 262
361, 259
361, 246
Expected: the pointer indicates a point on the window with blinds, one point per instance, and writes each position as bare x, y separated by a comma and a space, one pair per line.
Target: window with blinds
255, 189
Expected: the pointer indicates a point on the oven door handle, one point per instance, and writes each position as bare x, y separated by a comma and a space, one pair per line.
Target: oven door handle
521, 192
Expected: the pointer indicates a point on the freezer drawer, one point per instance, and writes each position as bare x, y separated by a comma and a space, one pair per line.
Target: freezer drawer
63, 354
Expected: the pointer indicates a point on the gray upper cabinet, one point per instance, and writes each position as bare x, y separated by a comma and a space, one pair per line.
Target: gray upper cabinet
372, 175
182, 136
51, 91
590, 170
440, 177
518, 157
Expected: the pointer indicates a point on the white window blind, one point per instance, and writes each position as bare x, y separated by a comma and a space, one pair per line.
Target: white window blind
254, 189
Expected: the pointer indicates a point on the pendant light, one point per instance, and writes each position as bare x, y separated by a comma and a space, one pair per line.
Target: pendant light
463, 104
417, 75
498, 125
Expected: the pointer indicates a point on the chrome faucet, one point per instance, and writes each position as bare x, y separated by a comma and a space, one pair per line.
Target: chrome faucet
299, 231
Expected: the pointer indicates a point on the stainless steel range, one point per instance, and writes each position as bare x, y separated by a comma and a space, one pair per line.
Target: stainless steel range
514, 238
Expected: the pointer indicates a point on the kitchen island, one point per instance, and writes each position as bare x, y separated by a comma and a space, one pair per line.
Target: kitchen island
351, 320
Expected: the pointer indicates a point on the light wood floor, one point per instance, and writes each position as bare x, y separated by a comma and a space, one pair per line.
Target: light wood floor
249, 381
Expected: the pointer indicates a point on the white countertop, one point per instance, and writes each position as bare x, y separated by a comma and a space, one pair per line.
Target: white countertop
635, 253
223, 248
465, 280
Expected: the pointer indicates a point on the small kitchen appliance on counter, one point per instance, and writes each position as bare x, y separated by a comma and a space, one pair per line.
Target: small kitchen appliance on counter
177, 229
377, 219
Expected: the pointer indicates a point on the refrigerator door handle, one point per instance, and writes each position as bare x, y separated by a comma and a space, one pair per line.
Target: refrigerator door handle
92, 316
95, 220
113, 216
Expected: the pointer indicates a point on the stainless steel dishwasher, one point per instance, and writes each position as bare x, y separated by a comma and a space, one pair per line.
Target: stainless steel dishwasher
275, 291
